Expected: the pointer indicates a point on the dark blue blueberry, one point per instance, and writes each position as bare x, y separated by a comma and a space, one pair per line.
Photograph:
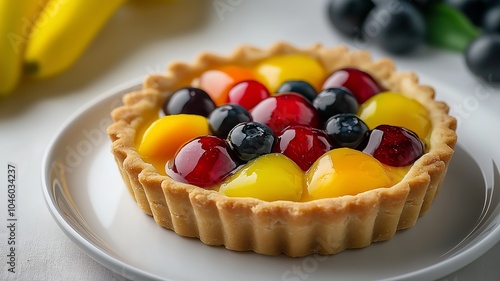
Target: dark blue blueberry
423, 5
346, 130
300, 87
251, 140
483, 58
347, 16
225, 117
396, 26
473, 9
332, 101
189, 100
491, 20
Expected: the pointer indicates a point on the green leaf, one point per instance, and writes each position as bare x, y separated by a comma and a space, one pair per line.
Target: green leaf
448, 28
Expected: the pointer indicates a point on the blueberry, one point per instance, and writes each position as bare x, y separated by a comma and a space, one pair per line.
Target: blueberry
396, 26
483, 58
251, 140
473, 9
189, 100
347, 16
491, 20
332, 101
300, 87
423, 5
346, 130
225, 117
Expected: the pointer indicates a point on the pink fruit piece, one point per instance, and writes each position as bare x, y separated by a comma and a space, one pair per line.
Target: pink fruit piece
204, 162
283, 110
302, 144
394, 146
362, 85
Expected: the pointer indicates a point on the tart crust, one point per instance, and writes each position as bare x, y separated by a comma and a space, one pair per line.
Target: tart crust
325, 226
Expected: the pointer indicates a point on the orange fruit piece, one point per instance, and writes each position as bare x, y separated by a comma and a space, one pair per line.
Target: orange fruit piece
218, 82
166, 135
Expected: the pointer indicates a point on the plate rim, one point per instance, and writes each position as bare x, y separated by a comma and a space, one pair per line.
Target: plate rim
108, 260
102, 257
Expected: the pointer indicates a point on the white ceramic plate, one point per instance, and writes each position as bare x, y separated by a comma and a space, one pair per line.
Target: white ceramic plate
89, 201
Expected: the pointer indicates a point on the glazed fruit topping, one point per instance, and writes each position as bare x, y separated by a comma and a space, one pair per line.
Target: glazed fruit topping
362, 85
302, 144
344, 171
296, 144
270, 177
300, 87
167, 134
346, 130
281, 111
251, 140
248, 93
204, 162
218, 82
394, 146
189, 100
333, 101
398, 110
225, 117
276, 70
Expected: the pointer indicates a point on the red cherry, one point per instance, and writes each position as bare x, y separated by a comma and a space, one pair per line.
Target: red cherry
394, 146
248, 93
360, 83
283, 110
204, 162
302, 144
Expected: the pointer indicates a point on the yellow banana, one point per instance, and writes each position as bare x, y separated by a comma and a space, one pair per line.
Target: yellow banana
66, 28
17, 19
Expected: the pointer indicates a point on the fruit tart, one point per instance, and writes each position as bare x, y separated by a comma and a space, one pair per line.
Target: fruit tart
284, 150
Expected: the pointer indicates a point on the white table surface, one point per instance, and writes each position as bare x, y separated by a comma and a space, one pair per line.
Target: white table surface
142, 39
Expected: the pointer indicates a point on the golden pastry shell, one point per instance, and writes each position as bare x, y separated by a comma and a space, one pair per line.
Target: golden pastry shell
325, 226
